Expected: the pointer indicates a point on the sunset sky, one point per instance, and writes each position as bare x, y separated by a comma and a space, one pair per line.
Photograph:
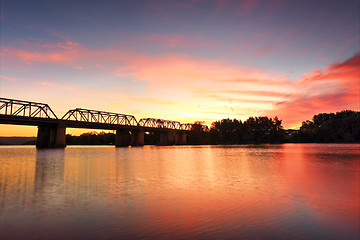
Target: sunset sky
196, 60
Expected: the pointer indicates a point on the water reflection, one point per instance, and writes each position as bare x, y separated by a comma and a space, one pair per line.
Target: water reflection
303, 191
16, 178
49, 177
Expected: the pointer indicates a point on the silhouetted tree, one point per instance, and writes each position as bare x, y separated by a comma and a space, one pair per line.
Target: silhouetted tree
264, 130
227, 131
342, 126
253, 130
199, 134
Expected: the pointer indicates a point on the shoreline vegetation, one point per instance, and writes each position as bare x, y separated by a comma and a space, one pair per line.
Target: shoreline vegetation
340, 127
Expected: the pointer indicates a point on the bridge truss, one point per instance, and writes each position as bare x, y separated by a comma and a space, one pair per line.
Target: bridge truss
19, 108
161, 123
33, 113
95, 116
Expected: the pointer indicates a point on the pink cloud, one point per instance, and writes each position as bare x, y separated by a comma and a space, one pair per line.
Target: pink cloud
334, 89
77, 56
64, 52
191, 73
260, 93
12, 79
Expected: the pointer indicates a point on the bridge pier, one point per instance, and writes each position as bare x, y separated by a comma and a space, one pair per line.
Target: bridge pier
122, 138
51, 137
137, 138
171, 138
163, 139
168, 138
180, 138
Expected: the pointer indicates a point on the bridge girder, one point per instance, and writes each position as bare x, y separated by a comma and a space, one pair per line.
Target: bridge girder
21, 108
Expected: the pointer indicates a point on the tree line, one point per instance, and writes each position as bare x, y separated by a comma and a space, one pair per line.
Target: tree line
340, 127
91, 138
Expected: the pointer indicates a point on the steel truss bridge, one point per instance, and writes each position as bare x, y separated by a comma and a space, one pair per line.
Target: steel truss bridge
20, 112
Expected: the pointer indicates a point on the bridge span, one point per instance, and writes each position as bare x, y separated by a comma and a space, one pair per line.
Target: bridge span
52, 130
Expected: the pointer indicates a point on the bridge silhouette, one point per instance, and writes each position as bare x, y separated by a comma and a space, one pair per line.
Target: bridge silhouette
52, 130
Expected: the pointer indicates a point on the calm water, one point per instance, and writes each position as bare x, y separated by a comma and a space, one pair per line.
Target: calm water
290, 191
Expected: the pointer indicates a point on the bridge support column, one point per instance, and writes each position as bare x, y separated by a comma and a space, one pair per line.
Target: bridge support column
167, 138
137, 138
51, 137
171, 138
180, 138
163, 139
122, 138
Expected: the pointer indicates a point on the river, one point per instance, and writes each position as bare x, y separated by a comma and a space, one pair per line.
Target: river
287, 191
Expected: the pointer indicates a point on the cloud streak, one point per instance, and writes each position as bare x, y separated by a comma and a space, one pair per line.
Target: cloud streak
334, 89
62, 52
12, 79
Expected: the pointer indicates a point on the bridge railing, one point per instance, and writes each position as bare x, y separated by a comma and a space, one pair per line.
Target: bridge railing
95, 116
13, 107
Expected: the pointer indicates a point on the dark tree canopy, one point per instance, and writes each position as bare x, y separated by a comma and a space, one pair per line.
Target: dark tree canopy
337, 127
233, 131
342, 126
